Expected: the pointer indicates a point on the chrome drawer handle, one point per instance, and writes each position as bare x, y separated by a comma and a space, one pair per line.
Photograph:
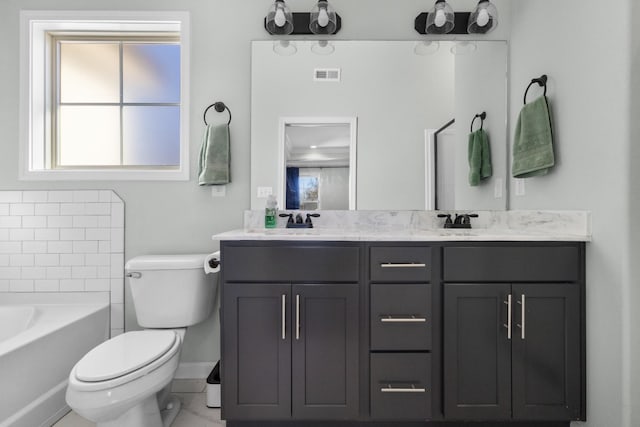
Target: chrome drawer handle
134, 275
412, 319
402, 265
413, 389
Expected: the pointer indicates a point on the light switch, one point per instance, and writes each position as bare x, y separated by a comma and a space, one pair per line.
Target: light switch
497, 189
264, 192
218, 190
520, 190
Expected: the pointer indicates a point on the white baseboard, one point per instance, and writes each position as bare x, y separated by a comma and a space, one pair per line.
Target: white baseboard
194, 370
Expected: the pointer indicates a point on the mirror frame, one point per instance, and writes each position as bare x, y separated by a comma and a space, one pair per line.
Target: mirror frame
353, 131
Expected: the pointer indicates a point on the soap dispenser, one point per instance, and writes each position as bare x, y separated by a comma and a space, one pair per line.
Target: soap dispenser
270, 220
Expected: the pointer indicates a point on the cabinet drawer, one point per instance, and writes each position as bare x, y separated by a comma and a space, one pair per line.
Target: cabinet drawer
400, 264
401, 317
400, 386
511, 264
291, 263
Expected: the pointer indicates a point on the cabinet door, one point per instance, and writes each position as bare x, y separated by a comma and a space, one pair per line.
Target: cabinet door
325, 351
546, 352
256, 351
477, 352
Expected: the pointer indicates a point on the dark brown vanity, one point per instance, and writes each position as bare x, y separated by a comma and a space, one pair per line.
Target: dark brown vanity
402, 333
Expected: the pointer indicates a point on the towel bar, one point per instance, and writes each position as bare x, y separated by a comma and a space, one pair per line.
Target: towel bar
542, 81
219, 107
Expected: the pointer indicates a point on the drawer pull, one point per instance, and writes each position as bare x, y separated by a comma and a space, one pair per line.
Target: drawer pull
412, 319
402, 265
413, 389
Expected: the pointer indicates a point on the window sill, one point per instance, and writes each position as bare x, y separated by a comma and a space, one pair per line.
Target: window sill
115, 175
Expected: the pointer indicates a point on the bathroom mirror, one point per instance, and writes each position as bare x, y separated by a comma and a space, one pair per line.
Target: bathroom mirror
400, 94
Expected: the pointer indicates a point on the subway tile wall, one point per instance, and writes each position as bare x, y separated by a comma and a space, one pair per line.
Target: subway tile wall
64, 241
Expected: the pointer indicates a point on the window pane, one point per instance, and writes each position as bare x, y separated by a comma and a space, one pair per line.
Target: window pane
89, 72
89, 136
151, 73
151, 136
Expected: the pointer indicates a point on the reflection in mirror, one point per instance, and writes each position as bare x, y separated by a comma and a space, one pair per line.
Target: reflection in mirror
401, 92
319, 163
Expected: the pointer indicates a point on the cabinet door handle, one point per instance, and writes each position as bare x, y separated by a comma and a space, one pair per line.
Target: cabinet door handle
413, 389
284, 317
297, 317
508, 325
522, 323
412, 319
402, 265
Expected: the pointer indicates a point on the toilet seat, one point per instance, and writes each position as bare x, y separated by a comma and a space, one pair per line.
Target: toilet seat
124, 358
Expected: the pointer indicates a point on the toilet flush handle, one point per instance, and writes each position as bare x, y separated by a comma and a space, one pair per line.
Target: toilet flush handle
134, 275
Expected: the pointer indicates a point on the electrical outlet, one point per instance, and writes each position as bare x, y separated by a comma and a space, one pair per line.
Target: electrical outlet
497, 188
264, 192
218, 190
520, 190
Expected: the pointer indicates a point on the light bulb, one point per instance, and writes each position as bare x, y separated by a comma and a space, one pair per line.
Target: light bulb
279, 18
483, 17
323, 17
441, 18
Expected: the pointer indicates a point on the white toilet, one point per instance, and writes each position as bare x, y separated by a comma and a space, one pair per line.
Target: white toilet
125, 381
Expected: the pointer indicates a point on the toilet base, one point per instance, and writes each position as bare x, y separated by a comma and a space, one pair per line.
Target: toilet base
147, 414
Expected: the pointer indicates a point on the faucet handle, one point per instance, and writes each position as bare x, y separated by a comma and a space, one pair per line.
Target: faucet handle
290, 215
447, 222
309, 216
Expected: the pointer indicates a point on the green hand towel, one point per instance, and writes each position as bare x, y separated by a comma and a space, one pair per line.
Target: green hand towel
479, 154
533, 141
215, 156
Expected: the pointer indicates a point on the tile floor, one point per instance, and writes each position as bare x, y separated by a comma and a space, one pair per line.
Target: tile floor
194, 411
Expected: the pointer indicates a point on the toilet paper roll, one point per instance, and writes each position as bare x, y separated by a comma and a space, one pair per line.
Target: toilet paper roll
212, 263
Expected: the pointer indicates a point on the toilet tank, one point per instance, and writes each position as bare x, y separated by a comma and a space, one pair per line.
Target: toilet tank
171, 291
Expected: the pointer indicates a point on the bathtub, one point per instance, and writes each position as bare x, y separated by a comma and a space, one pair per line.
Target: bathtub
41, 338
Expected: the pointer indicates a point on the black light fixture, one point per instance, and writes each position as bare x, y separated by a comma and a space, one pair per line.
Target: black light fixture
483, 19
321, 20
279, 19
442, 20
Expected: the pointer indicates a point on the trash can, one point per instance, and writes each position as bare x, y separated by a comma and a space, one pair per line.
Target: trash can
213, 387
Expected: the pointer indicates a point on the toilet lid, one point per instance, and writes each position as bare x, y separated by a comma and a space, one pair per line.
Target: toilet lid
124, 354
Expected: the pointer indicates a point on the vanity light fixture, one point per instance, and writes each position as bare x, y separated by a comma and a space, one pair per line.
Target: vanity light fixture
279, 20
321, 20
442, 20
483, 19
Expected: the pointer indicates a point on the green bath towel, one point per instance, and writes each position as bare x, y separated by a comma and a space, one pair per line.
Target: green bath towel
479, 157
533, 141
215, 156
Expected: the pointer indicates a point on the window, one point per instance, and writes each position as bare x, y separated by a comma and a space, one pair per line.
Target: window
108, 96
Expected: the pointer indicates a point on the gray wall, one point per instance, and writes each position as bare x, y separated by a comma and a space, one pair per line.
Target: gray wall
634, 208
589, 92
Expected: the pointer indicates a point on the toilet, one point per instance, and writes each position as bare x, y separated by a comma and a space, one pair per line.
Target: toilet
125, 381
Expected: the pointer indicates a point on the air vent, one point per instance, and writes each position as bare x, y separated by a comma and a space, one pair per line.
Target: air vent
326, 74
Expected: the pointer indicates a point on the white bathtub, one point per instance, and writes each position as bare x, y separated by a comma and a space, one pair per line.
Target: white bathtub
39, 344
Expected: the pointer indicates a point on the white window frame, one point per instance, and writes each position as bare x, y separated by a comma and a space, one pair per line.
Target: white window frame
35, 96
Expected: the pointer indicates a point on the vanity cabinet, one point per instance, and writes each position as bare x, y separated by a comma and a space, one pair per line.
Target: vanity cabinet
512, 351
402, 333
290, 343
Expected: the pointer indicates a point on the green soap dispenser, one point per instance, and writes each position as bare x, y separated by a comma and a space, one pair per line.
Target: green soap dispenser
270, 212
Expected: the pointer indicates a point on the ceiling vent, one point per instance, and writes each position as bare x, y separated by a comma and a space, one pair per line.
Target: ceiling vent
326, 75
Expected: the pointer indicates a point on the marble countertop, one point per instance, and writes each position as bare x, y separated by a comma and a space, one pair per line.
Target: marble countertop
422, 226
439, 235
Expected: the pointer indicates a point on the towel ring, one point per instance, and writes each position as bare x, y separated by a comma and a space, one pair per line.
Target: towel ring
219, 107
482, 116
542, 81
